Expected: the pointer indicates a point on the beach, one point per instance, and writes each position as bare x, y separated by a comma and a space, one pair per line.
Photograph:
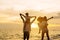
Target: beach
54, 33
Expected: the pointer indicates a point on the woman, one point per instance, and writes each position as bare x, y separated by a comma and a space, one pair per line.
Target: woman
43, 25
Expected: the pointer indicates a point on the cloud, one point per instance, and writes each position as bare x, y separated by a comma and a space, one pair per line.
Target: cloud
10, 12
58, 16
9, 15
33, 4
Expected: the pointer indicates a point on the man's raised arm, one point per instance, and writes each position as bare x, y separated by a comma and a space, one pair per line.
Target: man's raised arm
22, 17
32, 16
33, 19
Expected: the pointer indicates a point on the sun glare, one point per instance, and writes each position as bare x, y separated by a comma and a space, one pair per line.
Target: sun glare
34, 25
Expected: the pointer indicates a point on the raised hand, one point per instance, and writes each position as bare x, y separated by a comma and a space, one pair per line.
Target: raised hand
52, 17
20, 14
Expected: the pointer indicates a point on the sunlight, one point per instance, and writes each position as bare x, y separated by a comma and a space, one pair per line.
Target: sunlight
34, 25
53, 25
14, 18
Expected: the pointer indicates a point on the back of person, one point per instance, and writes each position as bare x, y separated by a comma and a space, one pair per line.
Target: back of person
44, 26
27, 27
27, 24
44, 23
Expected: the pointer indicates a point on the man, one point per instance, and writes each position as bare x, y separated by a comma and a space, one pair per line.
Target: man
43, 25
27, 24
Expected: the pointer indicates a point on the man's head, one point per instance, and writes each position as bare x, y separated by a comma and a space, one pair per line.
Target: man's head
26, 14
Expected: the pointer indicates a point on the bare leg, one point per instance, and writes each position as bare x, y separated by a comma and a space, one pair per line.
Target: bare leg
24, 35
28, 34
47, 34
42, 36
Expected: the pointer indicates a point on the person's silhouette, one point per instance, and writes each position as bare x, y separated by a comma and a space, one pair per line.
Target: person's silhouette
39, 25
43, 25
27, 24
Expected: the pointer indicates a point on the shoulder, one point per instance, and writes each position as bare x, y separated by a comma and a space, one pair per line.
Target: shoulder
44, 21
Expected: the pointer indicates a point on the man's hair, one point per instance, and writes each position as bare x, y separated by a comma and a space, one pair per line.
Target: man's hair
26, 13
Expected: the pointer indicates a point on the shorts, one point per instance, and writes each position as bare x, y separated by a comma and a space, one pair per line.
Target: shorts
26, 34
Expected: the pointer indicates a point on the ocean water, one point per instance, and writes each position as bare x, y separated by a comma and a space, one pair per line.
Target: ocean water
54, 33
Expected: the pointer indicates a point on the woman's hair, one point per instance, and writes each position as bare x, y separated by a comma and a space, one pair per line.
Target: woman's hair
39, 18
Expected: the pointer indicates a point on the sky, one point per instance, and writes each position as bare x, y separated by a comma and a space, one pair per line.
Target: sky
10, 9
30, 4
